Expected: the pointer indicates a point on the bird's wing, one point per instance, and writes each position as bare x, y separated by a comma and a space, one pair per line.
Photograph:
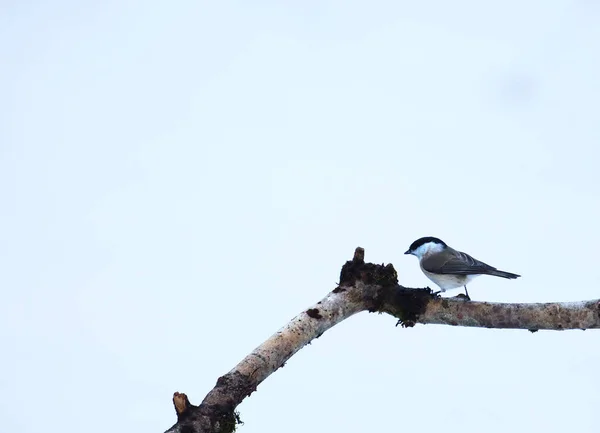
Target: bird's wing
457, 263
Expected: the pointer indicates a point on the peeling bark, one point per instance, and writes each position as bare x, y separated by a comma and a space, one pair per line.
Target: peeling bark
366, 287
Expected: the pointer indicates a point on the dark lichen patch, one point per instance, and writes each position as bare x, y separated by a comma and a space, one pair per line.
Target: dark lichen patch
368, 273
185, 428
224, 414
338, 290
314, 313
406, 324
409, 304
228, 421
237, 385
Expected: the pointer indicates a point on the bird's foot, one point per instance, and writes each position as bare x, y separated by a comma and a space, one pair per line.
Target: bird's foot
432, 292
463, 296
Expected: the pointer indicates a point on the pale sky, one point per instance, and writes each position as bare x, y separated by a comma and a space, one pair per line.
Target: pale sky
180, 179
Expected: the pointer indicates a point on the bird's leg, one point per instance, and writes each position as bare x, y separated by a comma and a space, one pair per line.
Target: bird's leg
465, 297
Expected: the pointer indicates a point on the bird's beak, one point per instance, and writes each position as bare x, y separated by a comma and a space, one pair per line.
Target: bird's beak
407, 252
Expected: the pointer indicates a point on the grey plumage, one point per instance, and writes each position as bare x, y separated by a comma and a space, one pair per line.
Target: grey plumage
459, 263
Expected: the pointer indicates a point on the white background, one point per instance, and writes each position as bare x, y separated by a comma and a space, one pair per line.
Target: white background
179, 179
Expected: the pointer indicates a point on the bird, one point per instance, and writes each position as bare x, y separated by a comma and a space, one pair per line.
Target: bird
449, 268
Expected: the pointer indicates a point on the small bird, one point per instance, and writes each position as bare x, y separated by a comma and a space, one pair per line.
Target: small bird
449, 268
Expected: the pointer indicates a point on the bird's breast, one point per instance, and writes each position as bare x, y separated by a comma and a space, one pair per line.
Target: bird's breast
448, 281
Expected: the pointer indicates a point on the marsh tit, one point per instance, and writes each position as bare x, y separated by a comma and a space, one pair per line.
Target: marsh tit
449, 268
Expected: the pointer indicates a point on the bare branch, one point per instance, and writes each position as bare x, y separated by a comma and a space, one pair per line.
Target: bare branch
366, 286
550, 316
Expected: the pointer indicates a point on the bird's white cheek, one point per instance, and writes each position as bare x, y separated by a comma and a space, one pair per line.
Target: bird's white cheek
428, 248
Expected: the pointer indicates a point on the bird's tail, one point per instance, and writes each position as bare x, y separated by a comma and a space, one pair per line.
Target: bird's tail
498, 273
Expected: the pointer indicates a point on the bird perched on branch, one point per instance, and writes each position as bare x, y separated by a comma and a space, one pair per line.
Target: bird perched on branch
449, 268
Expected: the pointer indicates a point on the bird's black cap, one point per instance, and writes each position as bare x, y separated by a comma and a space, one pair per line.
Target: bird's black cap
416, 244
